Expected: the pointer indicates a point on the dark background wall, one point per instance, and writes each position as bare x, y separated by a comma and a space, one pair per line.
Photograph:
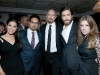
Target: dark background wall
96, 17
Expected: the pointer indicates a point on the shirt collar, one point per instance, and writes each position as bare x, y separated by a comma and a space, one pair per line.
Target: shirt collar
52, 24
30, 31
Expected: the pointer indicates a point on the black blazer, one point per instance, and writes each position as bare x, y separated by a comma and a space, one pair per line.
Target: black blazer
20, 27
30, 57
70, 53
58, 38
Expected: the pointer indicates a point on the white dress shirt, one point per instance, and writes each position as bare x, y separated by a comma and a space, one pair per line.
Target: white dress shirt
53, 37
66, 32
29, 36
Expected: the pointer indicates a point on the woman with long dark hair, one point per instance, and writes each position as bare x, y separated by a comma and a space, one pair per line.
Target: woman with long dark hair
11, 62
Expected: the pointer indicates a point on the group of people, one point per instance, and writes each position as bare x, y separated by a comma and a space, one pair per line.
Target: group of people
69, 49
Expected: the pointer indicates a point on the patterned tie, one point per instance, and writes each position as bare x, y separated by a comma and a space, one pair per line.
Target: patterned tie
49, 39
33, 41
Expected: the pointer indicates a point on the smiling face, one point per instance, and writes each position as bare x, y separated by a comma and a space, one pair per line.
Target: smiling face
66, 17
84, 27
11, 27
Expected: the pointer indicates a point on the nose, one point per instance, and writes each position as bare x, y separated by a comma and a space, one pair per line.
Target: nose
84, 27
50, 16
66, 16
11, 27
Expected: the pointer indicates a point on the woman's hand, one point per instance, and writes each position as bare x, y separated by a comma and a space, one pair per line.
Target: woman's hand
96, 60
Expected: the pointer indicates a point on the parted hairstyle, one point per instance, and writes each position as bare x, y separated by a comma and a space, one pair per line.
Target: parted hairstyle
34, 16
66, 8
17, 39
91, 37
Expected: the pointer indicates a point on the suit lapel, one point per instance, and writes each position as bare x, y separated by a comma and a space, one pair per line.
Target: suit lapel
73, 30
56, 32
63, 41
25, 38
44, 28
39, 36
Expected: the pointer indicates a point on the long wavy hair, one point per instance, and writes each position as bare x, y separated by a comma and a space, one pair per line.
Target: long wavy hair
91, 37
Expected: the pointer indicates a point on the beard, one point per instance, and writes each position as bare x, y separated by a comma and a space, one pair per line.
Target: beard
67, 22
50, 20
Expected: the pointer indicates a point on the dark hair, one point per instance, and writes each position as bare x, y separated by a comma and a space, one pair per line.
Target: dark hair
22, 16
2, 24
34, 16
43, 20
17, 40
66, 8
12, 20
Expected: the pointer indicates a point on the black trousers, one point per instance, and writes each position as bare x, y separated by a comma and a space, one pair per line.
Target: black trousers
51, 64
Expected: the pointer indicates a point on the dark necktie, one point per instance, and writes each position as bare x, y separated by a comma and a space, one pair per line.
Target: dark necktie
49, 39
33, 40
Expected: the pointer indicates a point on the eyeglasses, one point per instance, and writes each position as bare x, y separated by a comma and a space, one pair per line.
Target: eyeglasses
34, 22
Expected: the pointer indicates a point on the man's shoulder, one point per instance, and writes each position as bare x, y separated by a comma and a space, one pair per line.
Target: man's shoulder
75, 22
19, 26
59, 24
22, 32
43, 26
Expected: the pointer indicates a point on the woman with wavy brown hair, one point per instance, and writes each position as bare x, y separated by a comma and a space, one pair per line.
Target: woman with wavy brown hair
87, 35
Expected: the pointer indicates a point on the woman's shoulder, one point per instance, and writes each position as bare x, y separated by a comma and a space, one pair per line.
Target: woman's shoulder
1, 39
3, 36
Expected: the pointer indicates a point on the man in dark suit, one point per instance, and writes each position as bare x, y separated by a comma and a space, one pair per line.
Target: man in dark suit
71, 58
51, 45
31, 40
23, 22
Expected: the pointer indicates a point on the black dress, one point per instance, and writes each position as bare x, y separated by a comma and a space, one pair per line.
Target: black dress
11, 61
88, 66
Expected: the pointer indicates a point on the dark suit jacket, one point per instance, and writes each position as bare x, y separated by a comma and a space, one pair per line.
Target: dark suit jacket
58, 39
20, 28
31, 58
70, 53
